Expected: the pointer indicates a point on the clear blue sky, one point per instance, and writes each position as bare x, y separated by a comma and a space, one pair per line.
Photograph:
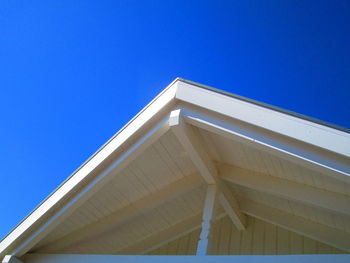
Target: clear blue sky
73, 72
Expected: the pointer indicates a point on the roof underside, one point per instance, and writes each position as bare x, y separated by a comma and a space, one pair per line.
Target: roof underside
166, 163
146, 191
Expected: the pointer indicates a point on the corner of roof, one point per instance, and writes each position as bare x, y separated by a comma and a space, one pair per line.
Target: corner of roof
261, 104
190, 82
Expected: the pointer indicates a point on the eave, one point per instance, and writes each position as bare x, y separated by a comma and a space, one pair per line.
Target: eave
305, 142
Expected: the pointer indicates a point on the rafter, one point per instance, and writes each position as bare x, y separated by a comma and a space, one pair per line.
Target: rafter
120, 216
194, 147
335, 202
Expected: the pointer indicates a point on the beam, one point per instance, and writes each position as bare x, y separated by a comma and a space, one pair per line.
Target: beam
322, 233
311, 157
231, 206
124, 214
287, 189
194, 147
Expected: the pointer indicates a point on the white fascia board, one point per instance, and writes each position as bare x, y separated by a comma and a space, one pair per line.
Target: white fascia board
300, 153
127, 133
302, 130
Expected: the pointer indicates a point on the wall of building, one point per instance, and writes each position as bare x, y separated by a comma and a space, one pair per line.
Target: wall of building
260, 238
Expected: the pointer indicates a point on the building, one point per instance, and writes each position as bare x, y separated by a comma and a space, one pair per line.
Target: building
200, 172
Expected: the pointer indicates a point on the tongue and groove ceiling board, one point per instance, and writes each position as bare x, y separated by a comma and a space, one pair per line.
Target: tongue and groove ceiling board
242, 155
261, 238
163, 163
173, 164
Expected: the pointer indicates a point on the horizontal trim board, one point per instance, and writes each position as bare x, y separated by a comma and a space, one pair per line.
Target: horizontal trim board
55, 258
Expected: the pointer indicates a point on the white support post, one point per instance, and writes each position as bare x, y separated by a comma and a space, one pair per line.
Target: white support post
209, 210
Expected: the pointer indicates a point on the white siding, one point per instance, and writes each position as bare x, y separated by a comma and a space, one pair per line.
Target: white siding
260, 238
322, 216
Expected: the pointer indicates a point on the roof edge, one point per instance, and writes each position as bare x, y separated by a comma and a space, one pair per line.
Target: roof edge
266, 105
131, 122
88, 160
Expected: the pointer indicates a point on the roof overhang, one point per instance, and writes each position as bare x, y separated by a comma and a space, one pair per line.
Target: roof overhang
302, 141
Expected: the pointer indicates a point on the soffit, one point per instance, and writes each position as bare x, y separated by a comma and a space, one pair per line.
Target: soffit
161, 164
232, 152
165, 162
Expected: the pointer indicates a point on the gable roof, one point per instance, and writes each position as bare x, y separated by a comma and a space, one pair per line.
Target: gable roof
309, 143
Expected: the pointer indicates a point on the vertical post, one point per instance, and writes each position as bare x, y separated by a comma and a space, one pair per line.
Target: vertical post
204, 243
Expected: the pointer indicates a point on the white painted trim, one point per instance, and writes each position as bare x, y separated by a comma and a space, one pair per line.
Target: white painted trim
204, 246
231, 206
300, 130
302, 154
92, 187
70, 258
195, 148
274, 121
145, 117
297, 224
335, 202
